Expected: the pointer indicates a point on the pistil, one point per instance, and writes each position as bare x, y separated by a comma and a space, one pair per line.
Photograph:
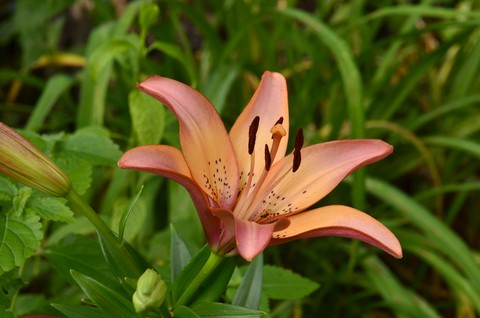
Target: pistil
278, 132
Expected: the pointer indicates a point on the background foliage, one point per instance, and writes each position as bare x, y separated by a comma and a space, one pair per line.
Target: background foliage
406, 72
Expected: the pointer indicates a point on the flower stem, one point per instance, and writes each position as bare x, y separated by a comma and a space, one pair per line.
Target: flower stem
213, 261
127, 260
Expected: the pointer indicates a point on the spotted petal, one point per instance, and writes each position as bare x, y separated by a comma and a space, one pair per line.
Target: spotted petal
338, 220
169, 162
270, 102
323, 166
205, 143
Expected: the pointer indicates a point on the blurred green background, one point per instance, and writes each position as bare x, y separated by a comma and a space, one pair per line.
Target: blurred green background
403, 71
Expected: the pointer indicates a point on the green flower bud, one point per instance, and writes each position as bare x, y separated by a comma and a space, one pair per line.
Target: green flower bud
151, 291
23, 162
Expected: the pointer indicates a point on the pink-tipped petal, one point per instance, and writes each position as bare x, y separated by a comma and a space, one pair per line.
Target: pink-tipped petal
168, 162
250, 238
205, 143
338, 220
270, 102
226, 241
323, 166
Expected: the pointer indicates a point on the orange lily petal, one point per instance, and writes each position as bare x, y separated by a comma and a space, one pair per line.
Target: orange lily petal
168, 161
323, 166
251, 238
339, 220
270, 102
205, 143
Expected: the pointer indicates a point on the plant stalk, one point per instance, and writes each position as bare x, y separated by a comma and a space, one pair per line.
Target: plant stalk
208, 268
80, 206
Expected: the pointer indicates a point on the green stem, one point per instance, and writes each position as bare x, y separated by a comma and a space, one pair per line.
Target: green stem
80, 206
210, 265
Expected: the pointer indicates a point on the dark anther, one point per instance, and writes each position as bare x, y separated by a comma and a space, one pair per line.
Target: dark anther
299, 139
268, 158
297, 156
279, 121
252, 134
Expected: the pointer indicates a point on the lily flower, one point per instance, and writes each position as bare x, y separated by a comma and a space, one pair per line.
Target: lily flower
247, 192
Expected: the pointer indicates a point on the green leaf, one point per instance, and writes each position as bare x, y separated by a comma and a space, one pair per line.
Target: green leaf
402, 299
148, 118
93, 143
219, 85
176, 53
137, 220
212, 288
109, 301
352, 81
466, 77
189, 272
185, 312
148, 15
250, 291
179, 253
8, 190
81, 254
77, 311
445, 240
93, 91
50, 209
28, 303
10, 283
112, 255
6, 312
78, 170
183, 214
455, 143
19, 238
449, 273
209, 309
280, 283
21, 199
105, 54
35, 26
81, 226
54, 88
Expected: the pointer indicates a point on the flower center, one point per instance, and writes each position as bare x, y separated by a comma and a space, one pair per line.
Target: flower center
247, 195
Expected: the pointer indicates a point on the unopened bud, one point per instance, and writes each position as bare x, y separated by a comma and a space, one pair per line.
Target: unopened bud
151, 291
25, 163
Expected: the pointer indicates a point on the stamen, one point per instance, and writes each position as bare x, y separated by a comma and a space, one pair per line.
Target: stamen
297, 156
252, 134
268, 159
279, 121
299, 139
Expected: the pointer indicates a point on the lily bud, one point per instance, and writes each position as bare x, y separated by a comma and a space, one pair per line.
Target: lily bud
25, 163
151, 291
